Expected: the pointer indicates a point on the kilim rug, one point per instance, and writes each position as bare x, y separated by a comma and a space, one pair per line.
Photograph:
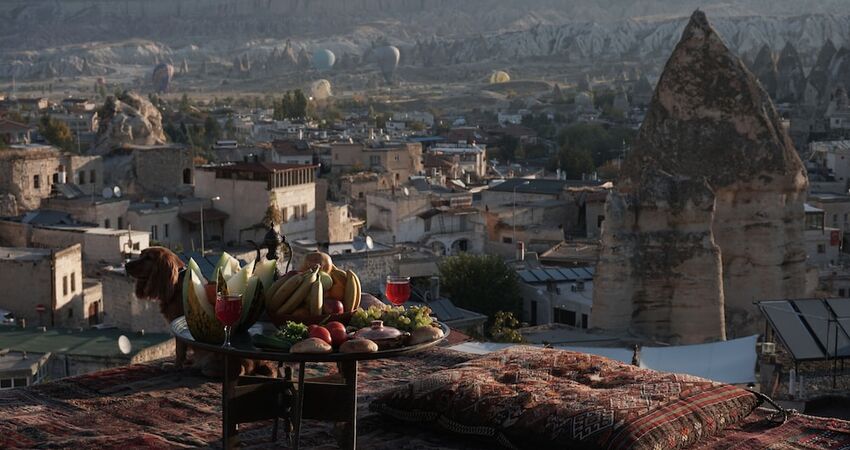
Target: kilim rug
154, 407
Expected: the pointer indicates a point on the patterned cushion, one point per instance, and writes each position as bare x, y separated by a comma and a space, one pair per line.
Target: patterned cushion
528, 397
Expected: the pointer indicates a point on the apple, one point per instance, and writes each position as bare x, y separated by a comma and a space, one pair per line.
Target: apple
333, 307
338, 336
322, 333
334, 324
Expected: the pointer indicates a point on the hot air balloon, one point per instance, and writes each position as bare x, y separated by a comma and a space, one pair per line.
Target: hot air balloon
320, 89
387, 59
323, 59
162, 75
499, 76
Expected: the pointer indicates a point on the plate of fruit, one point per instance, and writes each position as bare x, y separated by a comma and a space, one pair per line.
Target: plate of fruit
318, 292
377, 329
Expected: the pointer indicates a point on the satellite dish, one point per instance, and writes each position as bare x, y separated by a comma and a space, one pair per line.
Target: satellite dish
106, 193
369, 242
358, 243
165, 200
116, 191
406, 191
124, 345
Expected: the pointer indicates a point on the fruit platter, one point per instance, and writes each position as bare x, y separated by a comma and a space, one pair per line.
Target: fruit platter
317, 313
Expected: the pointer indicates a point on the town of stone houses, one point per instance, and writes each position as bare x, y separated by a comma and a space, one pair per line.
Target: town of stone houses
458, 225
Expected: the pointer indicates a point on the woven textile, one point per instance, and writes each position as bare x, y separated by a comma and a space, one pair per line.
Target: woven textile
526, 397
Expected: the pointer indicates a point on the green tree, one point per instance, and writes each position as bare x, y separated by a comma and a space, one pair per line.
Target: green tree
482, 283
505, 328
603, 143
57, 133
575, 162
299, 104
212, 130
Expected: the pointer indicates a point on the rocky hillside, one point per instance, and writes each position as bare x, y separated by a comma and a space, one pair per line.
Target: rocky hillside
41, 39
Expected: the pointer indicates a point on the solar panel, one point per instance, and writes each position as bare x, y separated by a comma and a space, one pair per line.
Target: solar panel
585, 274
591, 270
555, 274
568, 274
527, 276
791, 330
540, 274
576, 275
823, 325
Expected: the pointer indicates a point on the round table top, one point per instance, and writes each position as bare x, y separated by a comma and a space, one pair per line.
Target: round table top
244, 348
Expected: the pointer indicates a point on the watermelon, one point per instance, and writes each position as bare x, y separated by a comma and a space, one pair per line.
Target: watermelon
200, 314
238, 282
265, 271
197, 269
225, 265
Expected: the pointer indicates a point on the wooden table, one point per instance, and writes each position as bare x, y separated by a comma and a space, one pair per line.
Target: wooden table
247, 399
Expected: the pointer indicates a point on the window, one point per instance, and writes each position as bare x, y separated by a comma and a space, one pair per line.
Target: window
375, 160
428, 225
5, 383
165, 230
55, 178
136, 246
565, 316
599, 220
359, 195
396, 157
584, 320
154, 232
70, 313
92, 176
65, 285
19, 382
284, 213
841, 292
120, 223
835, 220
187, 176
36, 181
73, 282
81, 177
821, 248
507, 240
304, 211
106, 223
534, 312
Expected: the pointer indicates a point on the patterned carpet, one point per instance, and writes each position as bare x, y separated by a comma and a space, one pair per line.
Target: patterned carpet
154, 406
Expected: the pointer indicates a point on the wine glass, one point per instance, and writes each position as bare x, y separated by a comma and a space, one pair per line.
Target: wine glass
228, 310
398, 289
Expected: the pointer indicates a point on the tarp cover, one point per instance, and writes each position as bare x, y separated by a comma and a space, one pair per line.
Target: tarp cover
732, 361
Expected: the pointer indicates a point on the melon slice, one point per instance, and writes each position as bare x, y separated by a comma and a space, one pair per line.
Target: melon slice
225, 265
237, 282
197, 270
265, 271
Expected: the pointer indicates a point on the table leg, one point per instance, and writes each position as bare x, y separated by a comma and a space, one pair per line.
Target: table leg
228, 432
299, 404
349, 372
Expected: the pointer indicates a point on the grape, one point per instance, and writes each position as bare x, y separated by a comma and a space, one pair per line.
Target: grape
405, 319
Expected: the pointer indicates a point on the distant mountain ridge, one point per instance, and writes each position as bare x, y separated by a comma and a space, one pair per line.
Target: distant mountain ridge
45, 38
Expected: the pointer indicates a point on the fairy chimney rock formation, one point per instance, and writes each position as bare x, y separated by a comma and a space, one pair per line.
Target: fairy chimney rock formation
707, 216
766, 71
791, 79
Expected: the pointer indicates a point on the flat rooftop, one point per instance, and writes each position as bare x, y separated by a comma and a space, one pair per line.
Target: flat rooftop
92, 342
23, 254
15, 361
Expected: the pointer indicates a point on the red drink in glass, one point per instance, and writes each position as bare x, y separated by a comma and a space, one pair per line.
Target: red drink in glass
228, 310
398, 289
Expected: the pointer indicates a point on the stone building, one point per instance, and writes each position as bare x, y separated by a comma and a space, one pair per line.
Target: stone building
52, 278
122, 309
707, 216
28, 173
395, 162
247, 189
151, 169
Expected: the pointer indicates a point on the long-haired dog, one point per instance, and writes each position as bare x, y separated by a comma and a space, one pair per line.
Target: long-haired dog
159, 277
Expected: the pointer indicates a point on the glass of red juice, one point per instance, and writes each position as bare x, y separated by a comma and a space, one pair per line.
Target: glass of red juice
228, 310
398, 289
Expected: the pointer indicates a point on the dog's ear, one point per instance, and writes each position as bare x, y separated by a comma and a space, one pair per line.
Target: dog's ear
164, 275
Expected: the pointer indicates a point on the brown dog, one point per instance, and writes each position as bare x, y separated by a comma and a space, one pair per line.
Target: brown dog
158, 277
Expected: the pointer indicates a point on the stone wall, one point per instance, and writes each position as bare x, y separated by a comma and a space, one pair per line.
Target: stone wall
14, 234
122, 309
160, 170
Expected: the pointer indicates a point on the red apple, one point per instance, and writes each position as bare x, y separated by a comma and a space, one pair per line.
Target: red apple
332, 307
338, 336
320, 333
334, 324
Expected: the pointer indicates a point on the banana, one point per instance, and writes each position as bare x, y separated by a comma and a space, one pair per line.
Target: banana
276, 285
314, 298
349, 297
358, 293
285, 291
300, 294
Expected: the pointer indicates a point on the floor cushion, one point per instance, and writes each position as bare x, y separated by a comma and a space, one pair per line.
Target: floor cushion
528, 397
